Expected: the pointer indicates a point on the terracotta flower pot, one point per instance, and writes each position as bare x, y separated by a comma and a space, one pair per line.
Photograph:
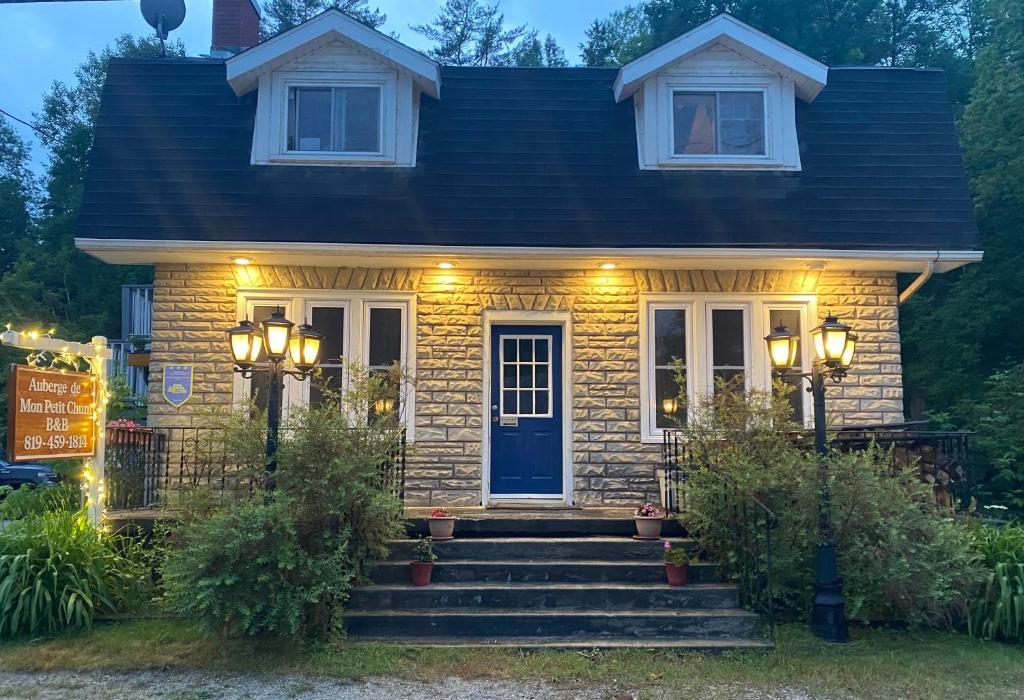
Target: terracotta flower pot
421, 571
677, 574
648, 528
441, 528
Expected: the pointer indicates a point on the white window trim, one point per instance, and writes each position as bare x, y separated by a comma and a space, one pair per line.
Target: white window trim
698, 364
270, 139
356, 341
356, 155
655, 120
727, 157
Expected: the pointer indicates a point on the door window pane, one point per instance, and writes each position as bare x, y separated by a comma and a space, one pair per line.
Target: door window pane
790, 318
525, 377
669, 347
728, 343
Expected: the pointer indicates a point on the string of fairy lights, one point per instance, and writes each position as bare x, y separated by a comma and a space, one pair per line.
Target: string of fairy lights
63, 360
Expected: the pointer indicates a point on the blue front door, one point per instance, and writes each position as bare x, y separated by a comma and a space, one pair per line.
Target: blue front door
526, 410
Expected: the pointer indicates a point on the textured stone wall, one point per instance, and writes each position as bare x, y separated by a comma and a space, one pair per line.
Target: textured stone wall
194, 305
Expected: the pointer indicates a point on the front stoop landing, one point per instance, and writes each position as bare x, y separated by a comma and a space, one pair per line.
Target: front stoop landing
500, 583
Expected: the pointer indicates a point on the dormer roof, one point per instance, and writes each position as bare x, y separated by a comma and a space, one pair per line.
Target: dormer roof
808, 75
245, 69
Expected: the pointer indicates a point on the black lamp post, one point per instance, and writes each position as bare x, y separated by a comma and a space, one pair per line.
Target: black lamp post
279, 342
834, 346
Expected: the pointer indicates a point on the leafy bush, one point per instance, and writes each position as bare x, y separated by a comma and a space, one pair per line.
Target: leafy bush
57, 572
29, 500
997, 612
286, 568
900, 557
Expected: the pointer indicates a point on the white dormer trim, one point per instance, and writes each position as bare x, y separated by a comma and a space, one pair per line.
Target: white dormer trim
245, 70
808, 76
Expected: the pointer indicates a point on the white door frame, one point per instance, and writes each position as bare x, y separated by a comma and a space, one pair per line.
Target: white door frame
529, 318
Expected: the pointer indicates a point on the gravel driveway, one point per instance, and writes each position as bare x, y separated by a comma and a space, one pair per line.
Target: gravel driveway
178, 685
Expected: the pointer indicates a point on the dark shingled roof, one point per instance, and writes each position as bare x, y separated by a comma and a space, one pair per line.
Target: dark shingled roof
527, 157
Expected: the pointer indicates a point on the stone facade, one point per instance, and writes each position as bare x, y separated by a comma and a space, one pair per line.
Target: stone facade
195, 304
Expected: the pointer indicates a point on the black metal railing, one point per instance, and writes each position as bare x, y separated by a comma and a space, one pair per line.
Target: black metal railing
149, 467
745, 555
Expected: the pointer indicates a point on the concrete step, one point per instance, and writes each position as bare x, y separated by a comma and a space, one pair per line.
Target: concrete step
559, 624
545, 596
553, 571
543, 549
539, 526
583, 643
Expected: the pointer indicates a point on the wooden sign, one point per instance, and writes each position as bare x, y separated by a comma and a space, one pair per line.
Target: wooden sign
50, 414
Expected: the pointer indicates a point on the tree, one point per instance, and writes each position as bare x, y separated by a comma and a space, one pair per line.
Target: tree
16, 192
616, 40
282, 15
531, 52
471, 33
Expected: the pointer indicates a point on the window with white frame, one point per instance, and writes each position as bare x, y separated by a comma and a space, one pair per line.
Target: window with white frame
334, 119
691, 345
373, 330
718, 123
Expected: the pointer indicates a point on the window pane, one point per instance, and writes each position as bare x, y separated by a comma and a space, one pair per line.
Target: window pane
509, 350
741, 123
669, 408
385, 337
541, 349
509, 375
357, 126
525, 376
260, 382
694, 122
727, 336
526, 350
526, 403
790, 318
669, 336
542, 402
541, 375
509, 406
733, 379
312, 126
330, 379
330, 322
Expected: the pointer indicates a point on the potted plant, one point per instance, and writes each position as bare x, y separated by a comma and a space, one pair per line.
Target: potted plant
677, 565
423, 565
442, 524
138, 354
648, 522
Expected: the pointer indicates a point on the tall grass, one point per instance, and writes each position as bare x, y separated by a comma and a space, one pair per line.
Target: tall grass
58, 572
999, 612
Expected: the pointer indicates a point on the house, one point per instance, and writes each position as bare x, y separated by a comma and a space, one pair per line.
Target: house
535, 246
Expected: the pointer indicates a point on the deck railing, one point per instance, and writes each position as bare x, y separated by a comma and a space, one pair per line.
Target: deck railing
148, 468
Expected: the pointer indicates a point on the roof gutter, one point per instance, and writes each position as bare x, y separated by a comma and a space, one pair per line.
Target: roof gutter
926, 274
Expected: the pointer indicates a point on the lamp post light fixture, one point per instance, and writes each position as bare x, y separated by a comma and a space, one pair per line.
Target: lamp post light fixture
277, 340
834, 347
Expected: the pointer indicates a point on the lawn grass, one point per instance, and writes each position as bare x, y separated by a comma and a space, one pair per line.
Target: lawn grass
877, 664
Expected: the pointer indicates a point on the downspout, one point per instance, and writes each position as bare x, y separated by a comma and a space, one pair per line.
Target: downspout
926, 274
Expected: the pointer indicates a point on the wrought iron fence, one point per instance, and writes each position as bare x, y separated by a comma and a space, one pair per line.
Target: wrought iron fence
746, 556
149, 467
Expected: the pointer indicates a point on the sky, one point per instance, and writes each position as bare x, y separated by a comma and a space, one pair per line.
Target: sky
45, 41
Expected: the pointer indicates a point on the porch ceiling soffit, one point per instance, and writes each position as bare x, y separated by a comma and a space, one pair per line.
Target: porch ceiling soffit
342, 255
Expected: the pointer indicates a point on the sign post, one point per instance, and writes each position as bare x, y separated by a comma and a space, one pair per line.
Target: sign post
60, 413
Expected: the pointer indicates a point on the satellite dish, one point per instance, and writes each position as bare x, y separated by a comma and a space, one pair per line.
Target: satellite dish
163, 15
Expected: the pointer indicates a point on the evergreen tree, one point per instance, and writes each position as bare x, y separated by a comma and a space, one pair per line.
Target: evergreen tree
532, 52
16, 192
472, 33
282, 15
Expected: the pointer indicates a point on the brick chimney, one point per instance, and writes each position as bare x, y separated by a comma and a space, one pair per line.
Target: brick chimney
236, 26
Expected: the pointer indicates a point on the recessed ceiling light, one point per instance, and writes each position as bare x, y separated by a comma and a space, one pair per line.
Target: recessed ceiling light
446, 266
608, 266
241, 261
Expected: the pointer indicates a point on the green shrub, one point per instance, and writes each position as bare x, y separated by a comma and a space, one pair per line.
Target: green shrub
28, 500
899, 556
285, 569
997, 612
58, 572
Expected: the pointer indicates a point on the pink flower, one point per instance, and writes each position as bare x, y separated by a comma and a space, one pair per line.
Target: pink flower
668, 545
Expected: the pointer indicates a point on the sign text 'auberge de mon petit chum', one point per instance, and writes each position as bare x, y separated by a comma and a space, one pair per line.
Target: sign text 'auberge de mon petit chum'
51, 414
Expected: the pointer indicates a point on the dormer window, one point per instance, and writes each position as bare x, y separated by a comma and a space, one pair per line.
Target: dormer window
341, 119
718, 123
